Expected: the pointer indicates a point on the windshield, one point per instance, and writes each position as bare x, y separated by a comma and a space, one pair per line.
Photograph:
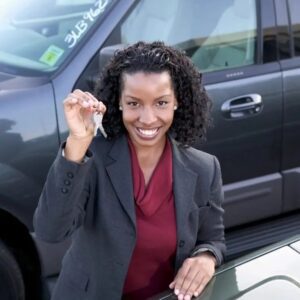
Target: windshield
38, 35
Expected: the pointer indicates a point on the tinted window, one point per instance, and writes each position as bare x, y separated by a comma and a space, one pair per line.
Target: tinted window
294, 6
215, 34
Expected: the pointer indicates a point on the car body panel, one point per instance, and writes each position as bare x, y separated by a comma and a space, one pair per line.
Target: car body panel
275, 275
288, 22
248, 145
296, 246
270, 273
28, 145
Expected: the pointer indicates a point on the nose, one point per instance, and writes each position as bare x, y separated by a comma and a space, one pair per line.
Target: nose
147, 116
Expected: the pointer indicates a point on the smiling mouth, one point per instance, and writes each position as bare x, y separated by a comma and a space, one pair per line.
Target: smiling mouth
147, 133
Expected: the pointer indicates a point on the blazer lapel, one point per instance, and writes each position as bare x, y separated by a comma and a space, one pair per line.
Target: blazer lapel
184, 189
119, 171
118, 167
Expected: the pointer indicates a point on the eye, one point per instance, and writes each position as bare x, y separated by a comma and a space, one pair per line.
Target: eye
162, 103
132, 104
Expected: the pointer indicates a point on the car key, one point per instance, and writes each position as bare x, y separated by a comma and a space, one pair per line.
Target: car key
98, 124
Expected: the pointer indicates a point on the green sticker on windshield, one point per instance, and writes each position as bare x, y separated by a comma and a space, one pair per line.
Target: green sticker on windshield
52, 55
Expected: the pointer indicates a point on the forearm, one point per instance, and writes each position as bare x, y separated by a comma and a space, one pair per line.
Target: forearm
216, 249
76, 148
211, 233
61, 205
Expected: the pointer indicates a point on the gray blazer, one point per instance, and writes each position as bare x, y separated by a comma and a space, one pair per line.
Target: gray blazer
94, 203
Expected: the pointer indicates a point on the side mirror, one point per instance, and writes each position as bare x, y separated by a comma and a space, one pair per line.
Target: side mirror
107, 53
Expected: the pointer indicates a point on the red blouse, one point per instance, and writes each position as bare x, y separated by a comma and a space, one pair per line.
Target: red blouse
151, 269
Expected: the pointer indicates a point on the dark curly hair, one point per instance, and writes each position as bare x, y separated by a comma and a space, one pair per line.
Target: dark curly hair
191, 119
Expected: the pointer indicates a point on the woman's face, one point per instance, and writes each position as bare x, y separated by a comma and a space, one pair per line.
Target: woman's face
147, 101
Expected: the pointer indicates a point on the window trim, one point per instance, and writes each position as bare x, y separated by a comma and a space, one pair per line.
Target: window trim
294, 61
290, 26
281, 12
240, 72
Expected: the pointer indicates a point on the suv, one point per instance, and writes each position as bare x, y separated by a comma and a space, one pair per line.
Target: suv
249, 54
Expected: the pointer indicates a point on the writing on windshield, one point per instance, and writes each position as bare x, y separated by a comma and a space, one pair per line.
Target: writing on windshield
82, 25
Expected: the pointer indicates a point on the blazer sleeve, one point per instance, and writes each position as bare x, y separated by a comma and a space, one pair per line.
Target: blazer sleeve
61, 207
211, 233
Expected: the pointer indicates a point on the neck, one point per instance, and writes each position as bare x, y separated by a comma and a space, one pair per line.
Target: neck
149, 156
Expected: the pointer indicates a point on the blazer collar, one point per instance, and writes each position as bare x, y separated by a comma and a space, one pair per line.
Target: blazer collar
184, 182
184, 185
118, 167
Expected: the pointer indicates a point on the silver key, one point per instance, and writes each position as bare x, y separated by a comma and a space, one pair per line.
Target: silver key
98, 124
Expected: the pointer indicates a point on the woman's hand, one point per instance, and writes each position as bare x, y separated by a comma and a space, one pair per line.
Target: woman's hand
193, 276
79, 108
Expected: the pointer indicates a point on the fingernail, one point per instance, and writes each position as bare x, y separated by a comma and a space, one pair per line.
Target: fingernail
196, 294
176, 291
180, 297
187, 297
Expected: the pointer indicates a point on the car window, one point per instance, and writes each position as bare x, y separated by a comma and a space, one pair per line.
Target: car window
294, 6
39, 35
216, 34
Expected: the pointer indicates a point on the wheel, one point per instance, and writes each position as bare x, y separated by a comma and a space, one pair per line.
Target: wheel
11, 280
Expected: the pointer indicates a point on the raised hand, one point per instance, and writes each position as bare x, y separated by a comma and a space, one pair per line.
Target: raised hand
79, 108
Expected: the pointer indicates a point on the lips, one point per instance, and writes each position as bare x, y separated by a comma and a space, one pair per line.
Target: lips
147, 133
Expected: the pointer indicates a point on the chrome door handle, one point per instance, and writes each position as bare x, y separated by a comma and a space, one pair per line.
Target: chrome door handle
242, 106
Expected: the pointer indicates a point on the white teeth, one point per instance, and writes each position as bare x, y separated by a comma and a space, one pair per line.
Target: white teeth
148, 132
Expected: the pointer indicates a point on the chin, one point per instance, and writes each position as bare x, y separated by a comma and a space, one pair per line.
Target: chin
148, 141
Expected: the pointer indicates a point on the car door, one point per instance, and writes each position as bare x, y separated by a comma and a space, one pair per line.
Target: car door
289, 49
234, 45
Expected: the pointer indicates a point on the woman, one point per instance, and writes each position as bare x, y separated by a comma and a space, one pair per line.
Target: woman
143, 206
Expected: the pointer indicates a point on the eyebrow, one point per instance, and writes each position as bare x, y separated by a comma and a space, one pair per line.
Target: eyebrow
135, 98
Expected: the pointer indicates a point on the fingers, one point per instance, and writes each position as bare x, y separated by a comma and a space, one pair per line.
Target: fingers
192, 286
197, 285
84, 100
192, 277
202, 284
100, 107
184, 279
